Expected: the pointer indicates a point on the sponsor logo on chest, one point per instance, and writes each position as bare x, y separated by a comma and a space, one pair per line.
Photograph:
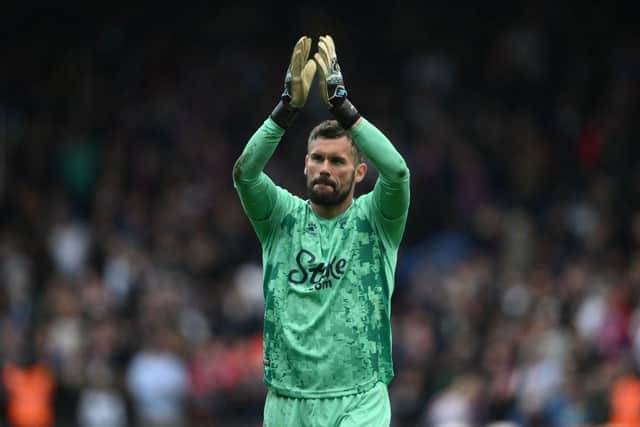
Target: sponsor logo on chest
319, 274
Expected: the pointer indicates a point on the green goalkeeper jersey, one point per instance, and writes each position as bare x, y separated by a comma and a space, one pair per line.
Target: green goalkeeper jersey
327, 282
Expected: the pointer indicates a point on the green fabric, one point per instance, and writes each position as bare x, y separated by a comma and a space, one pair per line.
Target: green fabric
392, 188
327, 282
257, 192
367, 409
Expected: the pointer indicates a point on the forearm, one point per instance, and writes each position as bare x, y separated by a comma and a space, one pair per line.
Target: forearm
391, 192
257, 152
380, 151
257, 192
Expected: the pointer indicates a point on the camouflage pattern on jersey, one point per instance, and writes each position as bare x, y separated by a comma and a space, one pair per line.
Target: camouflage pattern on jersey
327, 289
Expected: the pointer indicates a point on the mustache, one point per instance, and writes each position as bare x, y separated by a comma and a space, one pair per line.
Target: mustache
324, 181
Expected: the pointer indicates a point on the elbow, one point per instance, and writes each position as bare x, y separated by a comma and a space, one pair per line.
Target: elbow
401, 172
237, 171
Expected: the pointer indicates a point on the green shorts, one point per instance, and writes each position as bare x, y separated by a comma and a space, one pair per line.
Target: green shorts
368, 409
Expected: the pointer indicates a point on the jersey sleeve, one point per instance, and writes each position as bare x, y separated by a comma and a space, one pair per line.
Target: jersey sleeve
264, 202
389, 200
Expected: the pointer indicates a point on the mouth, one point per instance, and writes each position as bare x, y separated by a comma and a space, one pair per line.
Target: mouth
323, 187
319, 183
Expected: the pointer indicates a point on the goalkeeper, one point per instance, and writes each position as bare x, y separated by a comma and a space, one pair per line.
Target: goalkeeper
329, 261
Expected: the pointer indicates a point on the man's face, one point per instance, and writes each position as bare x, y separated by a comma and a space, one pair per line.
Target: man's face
331, 172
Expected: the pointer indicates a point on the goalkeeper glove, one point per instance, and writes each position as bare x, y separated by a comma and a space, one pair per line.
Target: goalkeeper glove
331, 83
296, 84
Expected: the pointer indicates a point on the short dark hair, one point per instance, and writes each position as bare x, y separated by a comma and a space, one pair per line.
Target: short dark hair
331, 129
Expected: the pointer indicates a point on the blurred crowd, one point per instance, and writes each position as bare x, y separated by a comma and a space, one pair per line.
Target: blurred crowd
130, 279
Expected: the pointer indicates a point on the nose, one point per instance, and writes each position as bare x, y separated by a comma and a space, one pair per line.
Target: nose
324, 169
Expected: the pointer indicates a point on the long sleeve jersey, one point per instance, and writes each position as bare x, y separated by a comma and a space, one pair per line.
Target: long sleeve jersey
327, 281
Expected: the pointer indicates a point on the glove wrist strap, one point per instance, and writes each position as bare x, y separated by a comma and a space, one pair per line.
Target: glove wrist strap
346, 114
284, 114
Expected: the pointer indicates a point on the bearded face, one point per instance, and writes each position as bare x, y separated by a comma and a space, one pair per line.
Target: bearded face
332, 172
326, 192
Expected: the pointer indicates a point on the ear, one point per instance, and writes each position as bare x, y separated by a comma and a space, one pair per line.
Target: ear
306, 159
361, 171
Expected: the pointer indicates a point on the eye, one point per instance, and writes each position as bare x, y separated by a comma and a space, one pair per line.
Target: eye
316, 158
338, 161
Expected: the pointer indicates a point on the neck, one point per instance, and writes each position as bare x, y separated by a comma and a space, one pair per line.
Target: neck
326, 211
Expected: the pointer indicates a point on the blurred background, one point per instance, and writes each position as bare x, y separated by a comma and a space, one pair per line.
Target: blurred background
130, 279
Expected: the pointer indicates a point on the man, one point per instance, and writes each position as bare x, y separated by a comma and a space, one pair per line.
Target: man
329, 262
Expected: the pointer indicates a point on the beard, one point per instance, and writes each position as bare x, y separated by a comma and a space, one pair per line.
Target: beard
333, 198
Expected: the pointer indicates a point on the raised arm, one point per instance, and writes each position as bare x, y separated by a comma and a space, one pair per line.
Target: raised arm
257, 192
391, 193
